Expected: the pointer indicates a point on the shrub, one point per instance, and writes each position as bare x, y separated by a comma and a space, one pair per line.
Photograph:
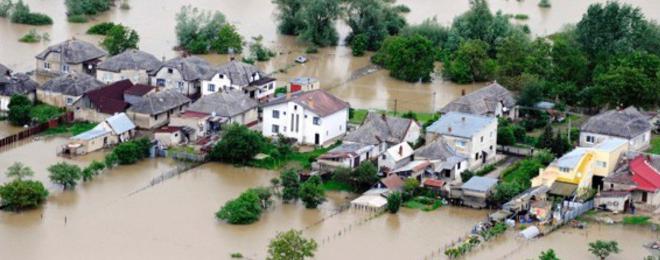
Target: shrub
312, 49
290, 185
124, 5
228, 39
86, 7
65, 174
291, 245
245, 209
44, 112
238, 145
22, 15
132, 151
521, 17
79, 18
19, 110
545, 4
101, 28
5, 8
359, 44
22, 194
120, 38
311, 192
258, 51
636, 220
31, 37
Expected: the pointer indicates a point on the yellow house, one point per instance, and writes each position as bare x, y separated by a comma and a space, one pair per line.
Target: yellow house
582, 165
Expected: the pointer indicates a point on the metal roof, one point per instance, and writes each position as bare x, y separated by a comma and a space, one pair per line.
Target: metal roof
479, 183
120, 123
460, 124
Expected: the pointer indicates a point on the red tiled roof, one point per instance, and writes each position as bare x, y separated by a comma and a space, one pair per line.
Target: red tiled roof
392, 182
139, 90
319, 101
646, 177
110, 99
434, 183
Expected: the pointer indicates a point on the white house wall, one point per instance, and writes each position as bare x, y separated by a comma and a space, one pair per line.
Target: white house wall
639, 143
172, 81
330, 127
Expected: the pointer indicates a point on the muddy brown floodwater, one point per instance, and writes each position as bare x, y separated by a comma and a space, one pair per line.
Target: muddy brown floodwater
6, 129
334, 66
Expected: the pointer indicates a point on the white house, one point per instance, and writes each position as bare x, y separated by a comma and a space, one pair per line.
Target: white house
237, 75
395, 157
134, 65
472, 136
628, 124
314, 117
382, 132
347, 155
183, 74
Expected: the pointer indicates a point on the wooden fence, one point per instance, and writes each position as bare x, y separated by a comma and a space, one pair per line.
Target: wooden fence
36, 129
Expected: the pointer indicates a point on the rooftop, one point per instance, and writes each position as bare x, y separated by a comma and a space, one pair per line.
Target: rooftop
627, 123
120, 123
74, 51
18, 84
73, 84
160, 102
318, 101
378, 128
482, 102
225, 104
437, 150
303, 80
131, 60
346, 150
460, 124
480, 184
191, 68
239, 73
400, 151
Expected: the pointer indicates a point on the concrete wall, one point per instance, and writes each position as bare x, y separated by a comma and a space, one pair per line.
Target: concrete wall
175, 80
136, 76
413, 134
56, 99
55, 66
219, 82
484, 141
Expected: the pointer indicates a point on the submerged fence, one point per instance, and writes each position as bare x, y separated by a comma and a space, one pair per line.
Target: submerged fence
36, 129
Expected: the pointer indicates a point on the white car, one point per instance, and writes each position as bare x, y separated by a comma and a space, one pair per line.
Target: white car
301, 59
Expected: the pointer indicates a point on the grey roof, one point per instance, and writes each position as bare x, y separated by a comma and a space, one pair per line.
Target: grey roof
318, 101
479, 183
18, 84
437, 150
627, 123
378, 128
159, 102
4, 74
75, 51
91, 134
131, 60
345, 150
120, 123
192, 68
226, 104
460, 124
483, 101
74, 84
239, 73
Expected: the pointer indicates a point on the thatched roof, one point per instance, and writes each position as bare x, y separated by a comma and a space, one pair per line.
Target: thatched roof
131, 60
627, 123
74, 51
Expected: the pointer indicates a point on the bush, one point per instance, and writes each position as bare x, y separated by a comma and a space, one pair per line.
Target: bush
245, 209
197, 29
79, 18
238, 145
505, 136
5, 7
22, 15
290, 185
311, 192
31, 37
636, 220
466, 175
408, 58
120, 38
258, 51
101, 28
312, 49
521, 17
545, 4
359, 44
19, 110
124, 5
86, 7
22, 194
44, 112
65, 174
132, 151
228, 39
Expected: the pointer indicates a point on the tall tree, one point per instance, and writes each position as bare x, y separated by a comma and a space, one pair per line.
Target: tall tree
470, 63
375, 19
632, 80
119, 39
290, 185
196, 29
320, 17
238, 145
290, 20
65, 174
311, 192
228, 39
291, 245
408, 58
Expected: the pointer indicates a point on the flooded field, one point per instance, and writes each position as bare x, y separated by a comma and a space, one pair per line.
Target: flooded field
7, 129
334, 66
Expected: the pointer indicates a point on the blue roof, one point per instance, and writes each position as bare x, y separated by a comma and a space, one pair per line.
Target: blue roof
91, 134
460, 124
478, 183
120, 123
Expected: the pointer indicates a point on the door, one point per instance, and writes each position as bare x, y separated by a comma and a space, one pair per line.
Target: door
644, 196
484, 155
317, 139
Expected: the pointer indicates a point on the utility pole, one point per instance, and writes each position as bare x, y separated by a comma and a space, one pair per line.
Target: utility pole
433, 105
569, 128
395, 103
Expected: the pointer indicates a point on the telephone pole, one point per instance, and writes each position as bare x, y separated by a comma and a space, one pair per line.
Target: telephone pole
395, 103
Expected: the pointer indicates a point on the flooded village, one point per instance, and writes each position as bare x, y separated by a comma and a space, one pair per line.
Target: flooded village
325, 142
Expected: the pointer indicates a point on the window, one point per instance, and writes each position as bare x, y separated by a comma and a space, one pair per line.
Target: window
46, 65
383, 157
295, 107
564, 169
317, 120
458, 166
156, 117
276, 129
491, 147
460, 143
591, 139
170, 71
211, 88
65, 68
160, 82
270, 86
284, 113
179, 84
284, 129
482, 139
69, 100
276, 114
476, 156
601, 164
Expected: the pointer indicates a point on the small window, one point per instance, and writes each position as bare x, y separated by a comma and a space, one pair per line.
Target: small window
491, 147
284, 129
211, 88
383, 156
69, 100
276, 114
65, 68
476, 156
46, 65
564, 169
601, 164
482, 139
160, 82
179, 84
591, 139
284, 113
276, 129
295, 107
317, 120
460, 143
170, 71
156, 117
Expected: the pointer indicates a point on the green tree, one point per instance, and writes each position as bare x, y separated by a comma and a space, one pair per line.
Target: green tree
545, 4
560, 145
548, 255
290, 185
18, 171
289, 16
5, 8
365, 175
603, 249
19, 110
264, 195
547, 138
110, 160
246, 209
569, 62
505, 136
291, 245
22, 194
394, 202
631, 80
65, 174
470, 63
21, 14
311, 192
359, 45
479, 23
431, 30
101, 28
408, 58
505, 191
319, 17
196, 29
228, 39
375, 20
119, 39
410, 187
127, 153
86, 7
238, 145
258, 51
512, 59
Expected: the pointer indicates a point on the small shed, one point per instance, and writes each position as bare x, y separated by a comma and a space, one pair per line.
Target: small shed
303, 84
169, 135
477, 190
615, 201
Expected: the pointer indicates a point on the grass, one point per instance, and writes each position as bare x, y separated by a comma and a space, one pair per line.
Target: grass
183, 149
31, 37
43, 112
655, 145
303, 159
485, 170
521, 17
636, 220
236, 255
360, 114
336, 186
74, 129
423, 203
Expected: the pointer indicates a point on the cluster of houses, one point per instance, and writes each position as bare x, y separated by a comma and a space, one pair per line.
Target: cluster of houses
186, 100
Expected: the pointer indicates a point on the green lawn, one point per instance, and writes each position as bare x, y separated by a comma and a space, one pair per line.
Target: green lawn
300, 159
336, 186
360, 114
423, 203
44, 112
74, 128
655, 145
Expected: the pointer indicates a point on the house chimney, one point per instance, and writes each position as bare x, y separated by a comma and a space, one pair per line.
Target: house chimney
400, 150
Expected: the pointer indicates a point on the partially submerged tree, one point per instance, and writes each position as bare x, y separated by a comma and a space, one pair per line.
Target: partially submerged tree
229, 40
604, 249
290, 185
238, 145
319, 17
394, 202
245, 209
197, 29
289, 16
19, 171
120, 38
19, 110
65, 174
311, 192
22, 194
291, 245
408, 58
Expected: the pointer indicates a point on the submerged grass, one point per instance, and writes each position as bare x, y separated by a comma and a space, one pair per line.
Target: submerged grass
75, 128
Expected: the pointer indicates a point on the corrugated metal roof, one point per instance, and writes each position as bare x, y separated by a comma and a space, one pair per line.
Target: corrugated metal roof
120, 123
